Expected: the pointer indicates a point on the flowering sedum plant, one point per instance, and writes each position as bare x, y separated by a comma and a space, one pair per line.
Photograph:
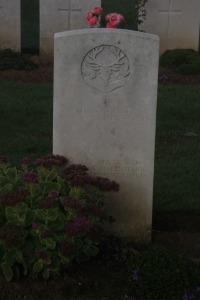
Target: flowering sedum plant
51, 214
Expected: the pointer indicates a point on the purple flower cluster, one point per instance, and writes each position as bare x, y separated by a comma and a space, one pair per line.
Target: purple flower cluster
105, 184
25, 161
66, 248
79, 180
78, 226
54, 194
31, 177
135, 275
13, 198
97, 210
72, 203
35, 226
76, 168
50, 160
48, 202
77, 176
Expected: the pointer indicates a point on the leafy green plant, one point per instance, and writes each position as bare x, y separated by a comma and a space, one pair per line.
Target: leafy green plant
184, 61
176, 57
159, 273
14, 60
50, 215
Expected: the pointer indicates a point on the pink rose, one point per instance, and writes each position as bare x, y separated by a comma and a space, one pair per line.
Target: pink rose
93, 21
109, 25
89, 15
97, 10
114, 18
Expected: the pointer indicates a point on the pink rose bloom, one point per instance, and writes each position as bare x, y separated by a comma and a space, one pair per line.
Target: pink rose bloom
114, 18
109, 25
93, 21
97, 10
89, 15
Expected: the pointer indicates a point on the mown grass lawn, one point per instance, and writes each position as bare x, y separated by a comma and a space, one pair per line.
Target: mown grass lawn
26, 130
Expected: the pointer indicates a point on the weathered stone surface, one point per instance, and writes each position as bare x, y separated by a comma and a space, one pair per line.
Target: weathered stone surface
61, 15
176, 22
10, 25
105, 92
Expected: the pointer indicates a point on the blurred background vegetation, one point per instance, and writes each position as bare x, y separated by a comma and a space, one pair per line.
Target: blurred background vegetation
30, 20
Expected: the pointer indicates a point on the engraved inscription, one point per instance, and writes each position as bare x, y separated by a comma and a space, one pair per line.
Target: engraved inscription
105, 68
114, 169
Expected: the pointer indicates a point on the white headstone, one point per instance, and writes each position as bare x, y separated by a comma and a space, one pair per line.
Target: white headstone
61, 15
176, 22
105, 92
10, 24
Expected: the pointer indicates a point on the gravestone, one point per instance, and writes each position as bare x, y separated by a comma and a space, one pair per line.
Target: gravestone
61, 15
176, 22
10, 31
105, 92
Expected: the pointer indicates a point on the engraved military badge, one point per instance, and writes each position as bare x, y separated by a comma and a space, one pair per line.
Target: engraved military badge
105, 68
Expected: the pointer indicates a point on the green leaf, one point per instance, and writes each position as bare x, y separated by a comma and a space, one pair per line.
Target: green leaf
50, 243
90, 250
45, 274
57, 225
78, 243
42, 173
77, 193
18, 256
7, 271
53, 214
30, 217
38, 266
11, 215
6, 188
22, 208
12, 174
50, 186
9, 257
47, 214
94, 250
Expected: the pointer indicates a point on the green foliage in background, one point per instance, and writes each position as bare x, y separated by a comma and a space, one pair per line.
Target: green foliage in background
184, 61
15, 61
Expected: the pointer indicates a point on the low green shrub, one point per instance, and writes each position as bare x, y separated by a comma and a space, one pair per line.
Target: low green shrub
14, 60
184, 61
51, 214
192, 68
177, 57
159, 273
